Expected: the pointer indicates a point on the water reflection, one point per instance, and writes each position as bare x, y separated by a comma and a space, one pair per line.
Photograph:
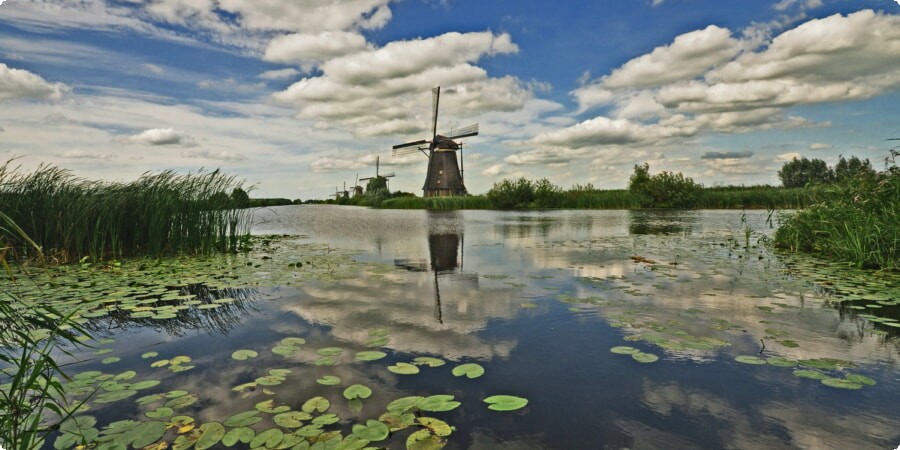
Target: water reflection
662, 222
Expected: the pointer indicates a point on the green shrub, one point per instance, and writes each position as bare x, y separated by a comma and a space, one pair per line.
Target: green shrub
663, 190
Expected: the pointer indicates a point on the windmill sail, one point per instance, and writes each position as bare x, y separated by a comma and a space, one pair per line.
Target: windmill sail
471, 130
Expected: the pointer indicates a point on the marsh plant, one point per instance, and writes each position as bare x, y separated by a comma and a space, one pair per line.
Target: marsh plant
158, 214
32, 398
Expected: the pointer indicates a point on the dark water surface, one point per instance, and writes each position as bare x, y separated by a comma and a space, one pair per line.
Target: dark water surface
539, 299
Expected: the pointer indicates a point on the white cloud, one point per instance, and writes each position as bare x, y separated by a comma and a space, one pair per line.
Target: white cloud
603, 131
22, 84
82, 154
819, 146
493, 171
279, 74
218, 156
785, 157
154, 68
307, 50
160, 136
335, 164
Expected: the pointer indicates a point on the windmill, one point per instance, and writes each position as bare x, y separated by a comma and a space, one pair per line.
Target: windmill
357, 189
377, 174
444, 177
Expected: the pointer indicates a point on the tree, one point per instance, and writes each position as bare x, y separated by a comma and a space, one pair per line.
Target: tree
663, 190
852, 168
801, 172
240, 198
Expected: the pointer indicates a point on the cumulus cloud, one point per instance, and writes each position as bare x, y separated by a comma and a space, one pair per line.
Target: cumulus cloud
386, 90
603, 131
307, 50
22, 84
727, 155
336, 164
160, 136
819, 146
218, 156
279, 74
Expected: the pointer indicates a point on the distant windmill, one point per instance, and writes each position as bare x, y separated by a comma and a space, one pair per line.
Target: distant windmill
377, 175
444, 177
357, 189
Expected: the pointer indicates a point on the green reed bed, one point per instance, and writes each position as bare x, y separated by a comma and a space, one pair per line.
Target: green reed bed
757, 197
158, 214
438, 203
855, 221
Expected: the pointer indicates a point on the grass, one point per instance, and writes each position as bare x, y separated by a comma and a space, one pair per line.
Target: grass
855, 221
439, 203
158, 214
32, 398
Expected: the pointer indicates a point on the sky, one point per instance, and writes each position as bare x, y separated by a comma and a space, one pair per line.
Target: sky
298, 97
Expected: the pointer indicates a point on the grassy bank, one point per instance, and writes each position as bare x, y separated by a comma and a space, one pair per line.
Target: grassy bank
158, 214
855, 221
731, 197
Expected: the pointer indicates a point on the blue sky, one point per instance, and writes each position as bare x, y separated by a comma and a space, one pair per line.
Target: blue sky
300, 96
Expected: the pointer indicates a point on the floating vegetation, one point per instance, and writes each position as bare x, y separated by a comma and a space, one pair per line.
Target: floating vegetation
428, 361
624, 350
242, 355
644, 358
469, 370
370, 355
403, 368
841, 383
505, 402
357, 391
754, 360
329, 380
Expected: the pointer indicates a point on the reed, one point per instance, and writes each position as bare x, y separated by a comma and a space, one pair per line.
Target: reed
158, 214
438, 203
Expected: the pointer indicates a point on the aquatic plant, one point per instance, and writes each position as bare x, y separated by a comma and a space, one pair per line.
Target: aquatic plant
158, 214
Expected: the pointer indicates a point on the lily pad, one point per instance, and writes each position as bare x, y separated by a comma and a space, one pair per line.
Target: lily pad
404, 404
111, 360
437, 403
269, 406
505, 402
404, 369
470, 370
624, 350
645, 358
424, 440
860, 379
326, 419
316, 404
329, 351
291, 419
210, 434
810, 374
429, 361
242, 355
438, 427
292, 342
370, 355
160, 413
840, 383
269, 438
183, 401
283, 350
781, 362
111, 397
325, 361
243, 435
357, 391
746, 359
329, 380
146, 384
373, 430
244, 419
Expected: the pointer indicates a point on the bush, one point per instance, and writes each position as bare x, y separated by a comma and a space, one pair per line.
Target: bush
524, 193
801, 172
663, 190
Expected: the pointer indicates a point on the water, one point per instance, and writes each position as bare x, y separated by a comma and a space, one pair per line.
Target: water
539, 299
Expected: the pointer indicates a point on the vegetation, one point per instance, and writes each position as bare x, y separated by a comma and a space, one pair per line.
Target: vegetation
855, 221
803, 172
164, 213
663, 190
31, 393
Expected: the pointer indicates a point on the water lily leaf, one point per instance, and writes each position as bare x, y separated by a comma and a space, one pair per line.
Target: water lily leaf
370, 355
745, 359
826, 363
470, 370
811, 374
242, 355
111, 397
160, 413
424, 440
309, 431
283, 350
292, 342
378, 341
243, 435
325, 361
860, 379
160, 363
176, 394
291, 419
180, 360
146, 384
355, 405
329, 380
396, 421
316, 404
244, 419
404, 369
147, 433
89, 375
269, 438
183, 424
624, 350
243, 387
326, 419
329, 351
373, 430
437, 426
149, 399
781, 362
437, 403
505, 402
357, 391
404, 404
429, 361
210, 434
646, 358
111, 360
183, 401
840, 383
269, 380
279, 372
268, 406
124, 376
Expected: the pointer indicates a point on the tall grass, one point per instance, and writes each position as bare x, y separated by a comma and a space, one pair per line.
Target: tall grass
438, 203
757, 197
158, 214
856, 221
32, 398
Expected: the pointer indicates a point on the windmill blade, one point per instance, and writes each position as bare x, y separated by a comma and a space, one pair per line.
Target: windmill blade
471, 130
406, 150
410, 144
388, 175
435, 101
367, 179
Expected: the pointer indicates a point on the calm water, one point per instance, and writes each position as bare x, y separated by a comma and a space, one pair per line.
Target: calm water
539, 299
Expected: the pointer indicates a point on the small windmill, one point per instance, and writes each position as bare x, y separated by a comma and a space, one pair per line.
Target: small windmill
357, 189
377, 174
444, 177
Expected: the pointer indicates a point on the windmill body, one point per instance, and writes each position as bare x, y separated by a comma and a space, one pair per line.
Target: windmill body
445, 174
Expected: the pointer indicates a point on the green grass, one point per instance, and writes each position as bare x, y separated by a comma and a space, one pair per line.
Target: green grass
855, 222
757, 197
441, 203
158, 214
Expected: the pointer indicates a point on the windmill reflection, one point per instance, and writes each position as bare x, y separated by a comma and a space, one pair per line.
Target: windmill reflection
446, 250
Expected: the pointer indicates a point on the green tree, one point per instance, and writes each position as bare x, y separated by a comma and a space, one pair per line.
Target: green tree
240, 198
852, 168
511, 194
663, 190
801, 172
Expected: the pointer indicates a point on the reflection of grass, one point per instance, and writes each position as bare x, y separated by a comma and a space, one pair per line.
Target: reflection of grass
158, 214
